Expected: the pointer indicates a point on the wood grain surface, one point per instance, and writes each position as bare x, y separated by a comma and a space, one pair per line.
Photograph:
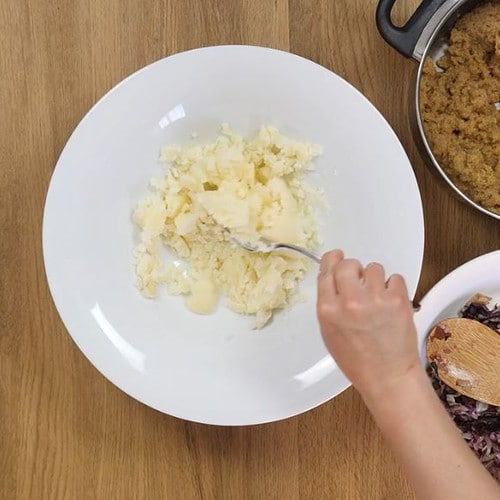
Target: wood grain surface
465, 353
65, 431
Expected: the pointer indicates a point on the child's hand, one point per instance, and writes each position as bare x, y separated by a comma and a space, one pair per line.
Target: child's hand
366, 323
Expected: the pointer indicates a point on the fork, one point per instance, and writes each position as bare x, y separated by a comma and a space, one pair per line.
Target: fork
266, 246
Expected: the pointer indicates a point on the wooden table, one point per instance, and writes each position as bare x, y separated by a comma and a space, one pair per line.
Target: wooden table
65, 431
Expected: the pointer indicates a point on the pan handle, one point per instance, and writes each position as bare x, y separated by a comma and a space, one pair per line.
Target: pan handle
404, 39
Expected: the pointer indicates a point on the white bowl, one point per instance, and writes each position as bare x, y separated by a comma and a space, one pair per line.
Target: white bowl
446, 298
215, 369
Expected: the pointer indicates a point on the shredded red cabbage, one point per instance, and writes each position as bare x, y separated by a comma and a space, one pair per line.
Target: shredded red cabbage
478, 422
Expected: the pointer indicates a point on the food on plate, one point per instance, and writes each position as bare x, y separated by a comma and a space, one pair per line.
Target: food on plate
478, 422
226, 189
459, 106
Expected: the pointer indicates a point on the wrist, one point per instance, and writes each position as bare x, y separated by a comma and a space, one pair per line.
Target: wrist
399, 392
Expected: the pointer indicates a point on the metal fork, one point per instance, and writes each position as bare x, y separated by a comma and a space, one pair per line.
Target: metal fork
266, 246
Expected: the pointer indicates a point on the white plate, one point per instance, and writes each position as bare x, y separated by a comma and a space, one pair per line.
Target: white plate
446, 298
215, 369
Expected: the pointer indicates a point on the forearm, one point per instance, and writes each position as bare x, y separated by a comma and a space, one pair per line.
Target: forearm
438, 462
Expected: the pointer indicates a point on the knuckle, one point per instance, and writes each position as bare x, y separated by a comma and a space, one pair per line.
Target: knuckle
398, 301
377, 302
352, 307
325, 311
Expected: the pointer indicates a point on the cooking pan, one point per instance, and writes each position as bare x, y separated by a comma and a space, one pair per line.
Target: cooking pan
424, 35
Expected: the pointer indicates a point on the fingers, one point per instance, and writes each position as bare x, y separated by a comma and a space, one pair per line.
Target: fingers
374, 277
397, 283
330, 260
339, 275
347, 276
326, 283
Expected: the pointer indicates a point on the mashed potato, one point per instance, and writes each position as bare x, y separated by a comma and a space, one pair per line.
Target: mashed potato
230, 187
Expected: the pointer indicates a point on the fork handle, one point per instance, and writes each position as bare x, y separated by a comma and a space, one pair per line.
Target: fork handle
301, 250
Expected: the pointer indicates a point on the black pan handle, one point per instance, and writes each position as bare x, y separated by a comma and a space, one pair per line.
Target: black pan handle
404, 38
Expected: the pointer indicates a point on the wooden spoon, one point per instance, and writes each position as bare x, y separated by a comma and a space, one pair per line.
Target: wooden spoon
467, 357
